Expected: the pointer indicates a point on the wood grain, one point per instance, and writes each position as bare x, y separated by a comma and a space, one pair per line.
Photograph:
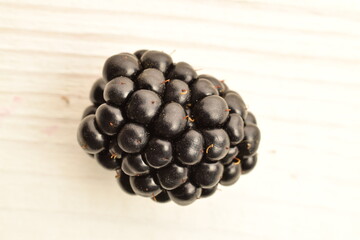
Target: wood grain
296, 63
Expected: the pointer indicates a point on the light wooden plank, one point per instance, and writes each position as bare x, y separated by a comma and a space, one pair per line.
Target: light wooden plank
296, 64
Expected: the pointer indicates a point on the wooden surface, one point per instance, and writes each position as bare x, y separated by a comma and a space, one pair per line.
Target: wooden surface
296, 63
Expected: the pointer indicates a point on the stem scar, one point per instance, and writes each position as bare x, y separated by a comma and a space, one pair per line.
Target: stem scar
237, 161
189, 118
166, 81
208, 148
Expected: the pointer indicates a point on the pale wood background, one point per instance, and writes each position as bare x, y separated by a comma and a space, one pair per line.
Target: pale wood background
296, 63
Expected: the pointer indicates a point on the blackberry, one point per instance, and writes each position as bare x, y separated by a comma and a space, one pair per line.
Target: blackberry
89, 136
96, 92
108, 160
158, 153
211, 112
172, 176
169, 134
162, 197
155, 59
88, 111
121, 65
134, 165
117, 90
207, 192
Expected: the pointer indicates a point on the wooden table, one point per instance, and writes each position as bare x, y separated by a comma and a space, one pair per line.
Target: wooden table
296, 63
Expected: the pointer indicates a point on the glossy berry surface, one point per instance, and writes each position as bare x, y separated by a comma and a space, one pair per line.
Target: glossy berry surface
96, 92
219, 85
177, 91
117, 90
208, 175
248, 163
207, 192
183, 71
124, 182
145, 186
108, 160
151, 79
250, 144
162, 197
185, 194
235, 128
140, 52
143, 105
123, 64
171, 120
158, 153
210, 112
134, 165
230, 156
170, 134
190, 148
156, 59
202, 88
88, 111
109, 119
236, 103
132, 138
231, 174
89, 136
172, 176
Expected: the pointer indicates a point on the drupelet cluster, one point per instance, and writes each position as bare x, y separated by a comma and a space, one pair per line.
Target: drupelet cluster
169, 133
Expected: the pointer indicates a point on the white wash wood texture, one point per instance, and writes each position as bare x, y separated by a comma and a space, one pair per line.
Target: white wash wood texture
296, 64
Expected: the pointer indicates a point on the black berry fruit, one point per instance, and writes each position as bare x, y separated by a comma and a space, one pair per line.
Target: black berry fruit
231, 174
89, 137
208, 175
134, 165
156, 59
230, 156
210, 112
123, 64
219, 85
250, 144
143, 105
124, 182
158, 153
235, 128
173, 88
169, 134
139, 53
250, 118
190, 147
185, 194
207, 192
109, 119
217, 142
145, 186
183, 71
118, 90
171, 120
96, 92
132, 138
202, 88
172, 176
151, 79
248, 163
236, 103
162, 197
108, 160
88, 111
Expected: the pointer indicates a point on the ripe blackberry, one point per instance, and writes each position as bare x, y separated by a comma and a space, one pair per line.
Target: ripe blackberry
168, 133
